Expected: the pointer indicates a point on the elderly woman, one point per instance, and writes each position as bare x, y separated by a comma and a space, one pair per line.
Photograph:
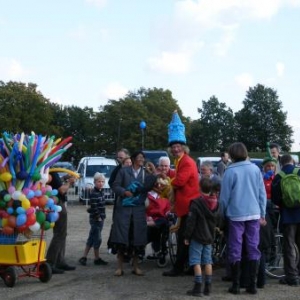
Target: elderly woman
129, 232
164, 166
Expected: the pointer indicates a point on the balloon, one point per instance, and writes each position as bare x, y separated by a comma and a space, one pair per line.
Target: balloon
46, 225
30, 194
35, 227
2, 204
43, 201
26, 204
11, 189
20, 210
72, 173
7, 197
30, 211
50, 202
5, 177
22, 197
31, 219
8, 230
34, 202
21, 220
16, 195
11, 221
52, 217
10, 210
22, 228
37, 193
58, 208
4, 222
54, 192
52, 225
40, 217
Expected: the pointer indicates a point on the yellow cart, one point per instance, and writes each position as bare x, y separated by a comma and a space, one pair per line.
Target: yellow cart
26, 255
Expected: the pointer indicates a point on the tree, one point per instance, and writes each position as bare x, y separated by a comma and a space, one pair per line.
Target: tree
214, 131
24, 109
262, 120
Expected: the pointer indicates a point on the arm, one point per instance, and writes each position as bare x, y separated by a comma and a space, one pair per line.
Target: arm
182, 174
262, 197
276, 195
190, 223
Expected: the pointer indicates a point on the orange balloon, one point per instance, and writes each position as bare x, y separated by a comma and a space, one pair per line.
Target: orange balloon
43, 201
8, 230
11, 221
34, 202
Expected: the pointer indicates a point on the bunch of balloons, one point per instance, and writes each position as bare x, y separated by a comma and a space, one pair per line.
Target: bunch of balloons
27, 202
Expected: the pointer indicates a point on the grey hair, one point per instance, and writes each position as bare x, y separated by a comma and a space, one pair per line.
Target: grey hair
98, 176
208, 164
166, 158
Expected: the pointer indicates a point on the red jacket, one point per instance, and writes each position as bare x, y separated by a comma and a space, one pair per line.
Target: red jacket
185, 184
158, 207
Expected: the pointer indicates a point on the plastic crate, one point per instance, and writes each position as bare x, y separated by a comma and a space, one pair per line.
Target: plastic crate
23, 253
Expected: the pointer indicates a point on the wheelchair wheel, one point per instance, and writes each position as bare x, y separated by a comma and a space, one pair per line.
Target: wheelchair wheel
172, 245
162, 260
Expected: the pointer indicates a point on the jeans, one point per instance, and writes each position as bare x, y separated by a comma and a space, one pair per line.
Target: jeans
199, 254
95, 239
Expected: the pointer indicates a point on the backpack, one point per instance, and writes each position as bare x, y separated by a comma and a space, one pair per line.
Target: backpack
290, 188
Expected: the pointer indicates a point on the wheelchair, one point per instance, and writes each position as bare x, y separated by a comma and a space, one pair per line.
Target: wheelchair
163, 241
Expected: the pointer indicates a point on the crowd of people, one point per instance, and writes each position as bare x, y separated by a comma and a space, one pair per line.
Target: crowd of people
240, 200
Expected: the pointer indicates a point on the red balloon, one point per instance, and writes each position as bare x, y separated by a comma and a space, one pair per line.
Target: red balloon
43, 201
8, 230
31, 219
34, 202
22, 228
11, 221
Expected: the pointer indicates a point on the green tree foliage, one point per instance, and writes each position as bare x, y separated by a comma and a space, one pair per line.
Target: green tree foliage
23, 108
262, 119
214, 131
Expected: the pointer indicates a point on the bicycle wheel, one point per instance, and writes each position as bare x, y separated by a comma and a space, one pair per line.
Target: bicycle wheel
274, 264
172, 245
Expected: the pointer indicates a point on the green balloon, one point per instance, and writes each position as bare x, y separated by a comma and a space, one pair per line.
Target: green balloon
40, 217
2, 204
46, 225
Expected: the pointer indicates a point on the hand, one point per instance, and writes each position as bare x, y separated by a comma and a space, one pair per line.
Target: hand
128, 194
174, 228
186, 242
262, 222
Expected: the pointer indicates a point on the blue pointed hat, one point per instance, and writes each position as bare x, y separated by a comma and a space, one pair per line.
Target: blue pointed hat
176, 130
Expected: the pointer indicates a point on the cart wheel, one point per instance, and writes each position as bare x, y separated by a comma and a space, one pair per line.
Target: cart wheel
45, 272
9, 276
162, 261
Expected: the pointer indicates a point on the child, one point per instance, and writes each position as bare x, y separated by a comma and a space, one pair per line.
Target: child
200, 234
157, 209
97, 216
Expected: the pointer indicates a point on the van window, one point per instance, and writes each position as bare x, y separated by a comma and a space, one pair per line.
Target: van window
106, 170
154, 155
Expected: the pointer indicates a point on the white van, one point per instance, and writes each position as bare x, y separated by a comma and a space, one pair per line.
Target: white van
87, 168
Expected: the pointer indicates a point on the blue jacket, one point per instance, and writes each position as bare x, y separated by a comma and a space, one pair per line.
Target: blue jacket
287, 215
243, 194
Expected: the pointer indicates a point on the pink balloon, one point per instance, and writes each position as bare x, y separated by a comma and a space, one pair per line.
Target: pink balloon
30, 211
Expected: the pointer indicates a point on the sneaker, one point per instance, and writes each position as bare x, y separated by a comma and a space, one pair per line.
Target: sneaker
82, 261
100, 261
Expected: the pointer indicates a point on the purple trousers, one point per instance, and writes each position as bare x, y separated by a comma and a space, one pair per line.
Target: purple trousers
240, 232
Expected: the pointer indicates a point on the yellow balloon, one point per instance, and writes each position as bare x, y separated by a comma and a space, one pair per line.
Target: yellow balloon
25, 204
5, 177
22, 197
72, 173
4, 222
52, 224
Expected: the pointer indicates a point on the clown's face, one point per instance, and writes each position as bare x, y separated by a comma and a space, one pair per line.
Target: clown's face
177, 150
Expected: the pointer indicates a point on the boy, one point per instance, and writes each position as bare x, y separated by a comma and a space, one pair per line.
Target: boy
200, 234
97, 216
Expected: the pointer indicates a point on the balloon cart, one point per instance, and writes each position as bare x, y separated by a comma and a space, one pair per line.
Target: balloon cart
28, 204
23, 256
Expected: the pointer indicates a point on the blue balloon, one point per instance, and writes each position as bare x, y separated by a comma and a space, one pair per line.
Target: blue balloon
21, 220
54, 192
10, 210
30, 194
143, 125
52, 217
38, 193
21, 210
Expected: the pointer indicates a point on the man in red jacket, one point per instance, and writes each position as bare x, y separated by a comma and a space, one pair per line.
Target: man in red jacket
186, 188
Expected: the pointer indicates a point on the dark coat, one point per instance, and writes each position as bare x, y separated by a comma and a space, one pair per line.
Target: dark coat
201, 222
123, 216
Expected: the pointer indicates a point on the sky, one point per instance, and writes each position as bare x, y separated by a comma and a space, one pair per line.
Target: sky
85, 52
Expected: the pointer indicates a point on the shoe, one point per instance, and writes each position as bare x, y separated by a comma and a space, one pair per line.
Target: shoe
227, 278
153, 256
57, 271
172, 273
66, 267
119, 273
82, 261
291, 282
100, 261
137, 272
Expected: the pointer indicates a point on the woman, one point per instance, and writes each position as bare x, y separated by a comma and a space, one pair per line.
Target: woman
129, 233
243, 200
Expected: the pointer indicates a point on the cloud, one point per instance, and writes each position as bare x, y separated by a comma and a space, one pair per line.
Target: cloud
11, 69
97, 3
115, 91
170, 62
280, 69
226, 40
244, 80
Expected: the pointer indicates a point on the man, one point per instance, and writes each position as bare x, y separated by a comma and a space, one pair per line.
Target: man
122, 154
275, 151
207, 170
223, 164
186, 188
290, 220
57, 248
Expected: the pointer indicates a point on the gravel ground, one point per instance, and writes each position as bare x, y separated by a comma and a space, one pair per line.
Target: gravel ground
98, 282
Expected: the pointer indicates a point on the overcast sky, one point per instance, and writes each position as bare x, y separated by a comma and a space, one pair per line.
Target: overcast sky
84, 52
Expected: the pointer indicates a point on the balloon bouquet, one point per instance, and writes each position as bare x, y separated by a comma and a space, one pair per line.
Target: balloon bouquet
27, 202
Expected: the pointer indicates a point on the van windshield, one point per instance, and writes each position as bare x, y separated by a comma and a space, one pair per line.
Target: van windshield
104, 169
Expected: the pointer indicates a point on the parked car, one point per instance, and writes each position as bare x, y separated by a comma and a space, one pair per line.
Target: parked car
66, 165
258, 162
154, 155
87, 168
